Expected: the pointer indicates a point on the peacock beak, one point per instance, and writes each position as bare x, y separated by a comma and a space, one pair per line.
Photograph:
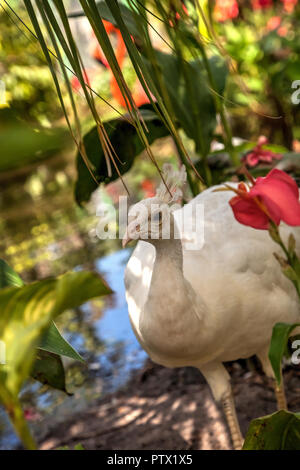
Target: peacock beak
126, 239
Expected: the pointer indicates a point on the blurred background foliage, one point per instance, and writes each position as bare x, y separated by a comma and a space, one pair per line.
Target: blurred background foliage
264, 46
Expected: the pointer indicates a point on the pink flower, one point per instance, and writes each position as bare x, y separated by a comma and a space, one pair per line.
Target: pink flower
273, 198
226, 10
31, 414
260, 155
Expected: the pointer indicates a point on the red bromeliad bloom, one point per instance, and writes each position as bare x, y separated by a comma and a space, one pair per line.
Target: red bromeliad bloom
261, 4
260, 155
273, 198
226, 10
138, 94
148, 188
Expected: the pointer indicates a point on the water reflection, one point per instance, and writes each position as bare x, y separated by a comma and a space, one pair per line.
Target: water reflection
123, 353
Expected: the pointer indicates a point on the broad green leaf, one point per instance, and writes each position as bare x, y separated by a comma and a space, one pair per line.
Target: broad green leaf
8, 277
49, 370
21, 144
127, 144
279, 431
280, 336
26, 314
54, 342
105, 13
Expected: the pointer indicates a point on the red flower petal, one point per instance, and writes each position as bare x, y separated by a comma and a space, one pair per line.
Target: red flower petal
247, 212
284, 177
280, 194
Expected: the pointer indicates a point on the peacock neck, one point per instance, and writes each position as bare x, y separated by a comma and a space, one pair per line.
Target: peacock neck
168, 265
169, 251
171, 305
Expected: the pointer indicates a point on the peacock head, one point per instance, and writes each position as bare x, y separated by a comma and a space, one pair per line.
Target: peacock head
151, 219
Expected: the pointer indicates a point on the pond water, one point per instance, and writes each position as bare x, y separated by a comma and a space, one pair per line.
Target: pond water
108, 366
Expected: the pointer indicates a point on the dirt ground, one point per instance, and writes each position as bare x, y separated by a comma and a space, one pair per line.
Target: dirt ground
168, 409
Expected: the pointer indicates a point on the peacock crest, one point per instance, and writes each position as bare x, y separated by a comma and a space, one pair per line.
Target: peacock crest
175, 180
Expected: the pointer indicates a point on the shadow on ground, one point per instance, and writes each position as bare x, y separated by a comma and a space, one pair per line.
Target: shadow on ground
170, 409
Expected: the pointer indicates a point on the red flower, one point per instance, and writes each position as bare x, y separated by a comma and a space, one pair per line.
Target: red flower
273, 198
226, 10
260, 155
261, 4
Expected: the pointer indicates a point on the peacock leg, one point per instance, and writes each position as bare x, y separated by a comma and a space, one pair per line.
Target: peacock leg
219, 382
232, 421
280, 395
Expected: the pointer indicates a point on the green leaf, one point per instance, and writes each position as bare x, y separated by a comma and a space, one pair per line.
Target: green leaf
54, 342
76, 447
105, 13
26, 314
279, 431
280, 336
8, 277
191, 98
127, 144
49, 370
21, 144
79, 447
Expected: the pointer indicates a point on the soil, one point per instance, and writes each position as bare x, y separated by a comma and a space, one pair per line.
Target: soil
168, 409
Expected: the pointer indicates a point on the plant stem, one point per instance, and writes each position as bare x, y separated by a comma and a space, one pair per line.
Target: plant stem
16, 415
290, 258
